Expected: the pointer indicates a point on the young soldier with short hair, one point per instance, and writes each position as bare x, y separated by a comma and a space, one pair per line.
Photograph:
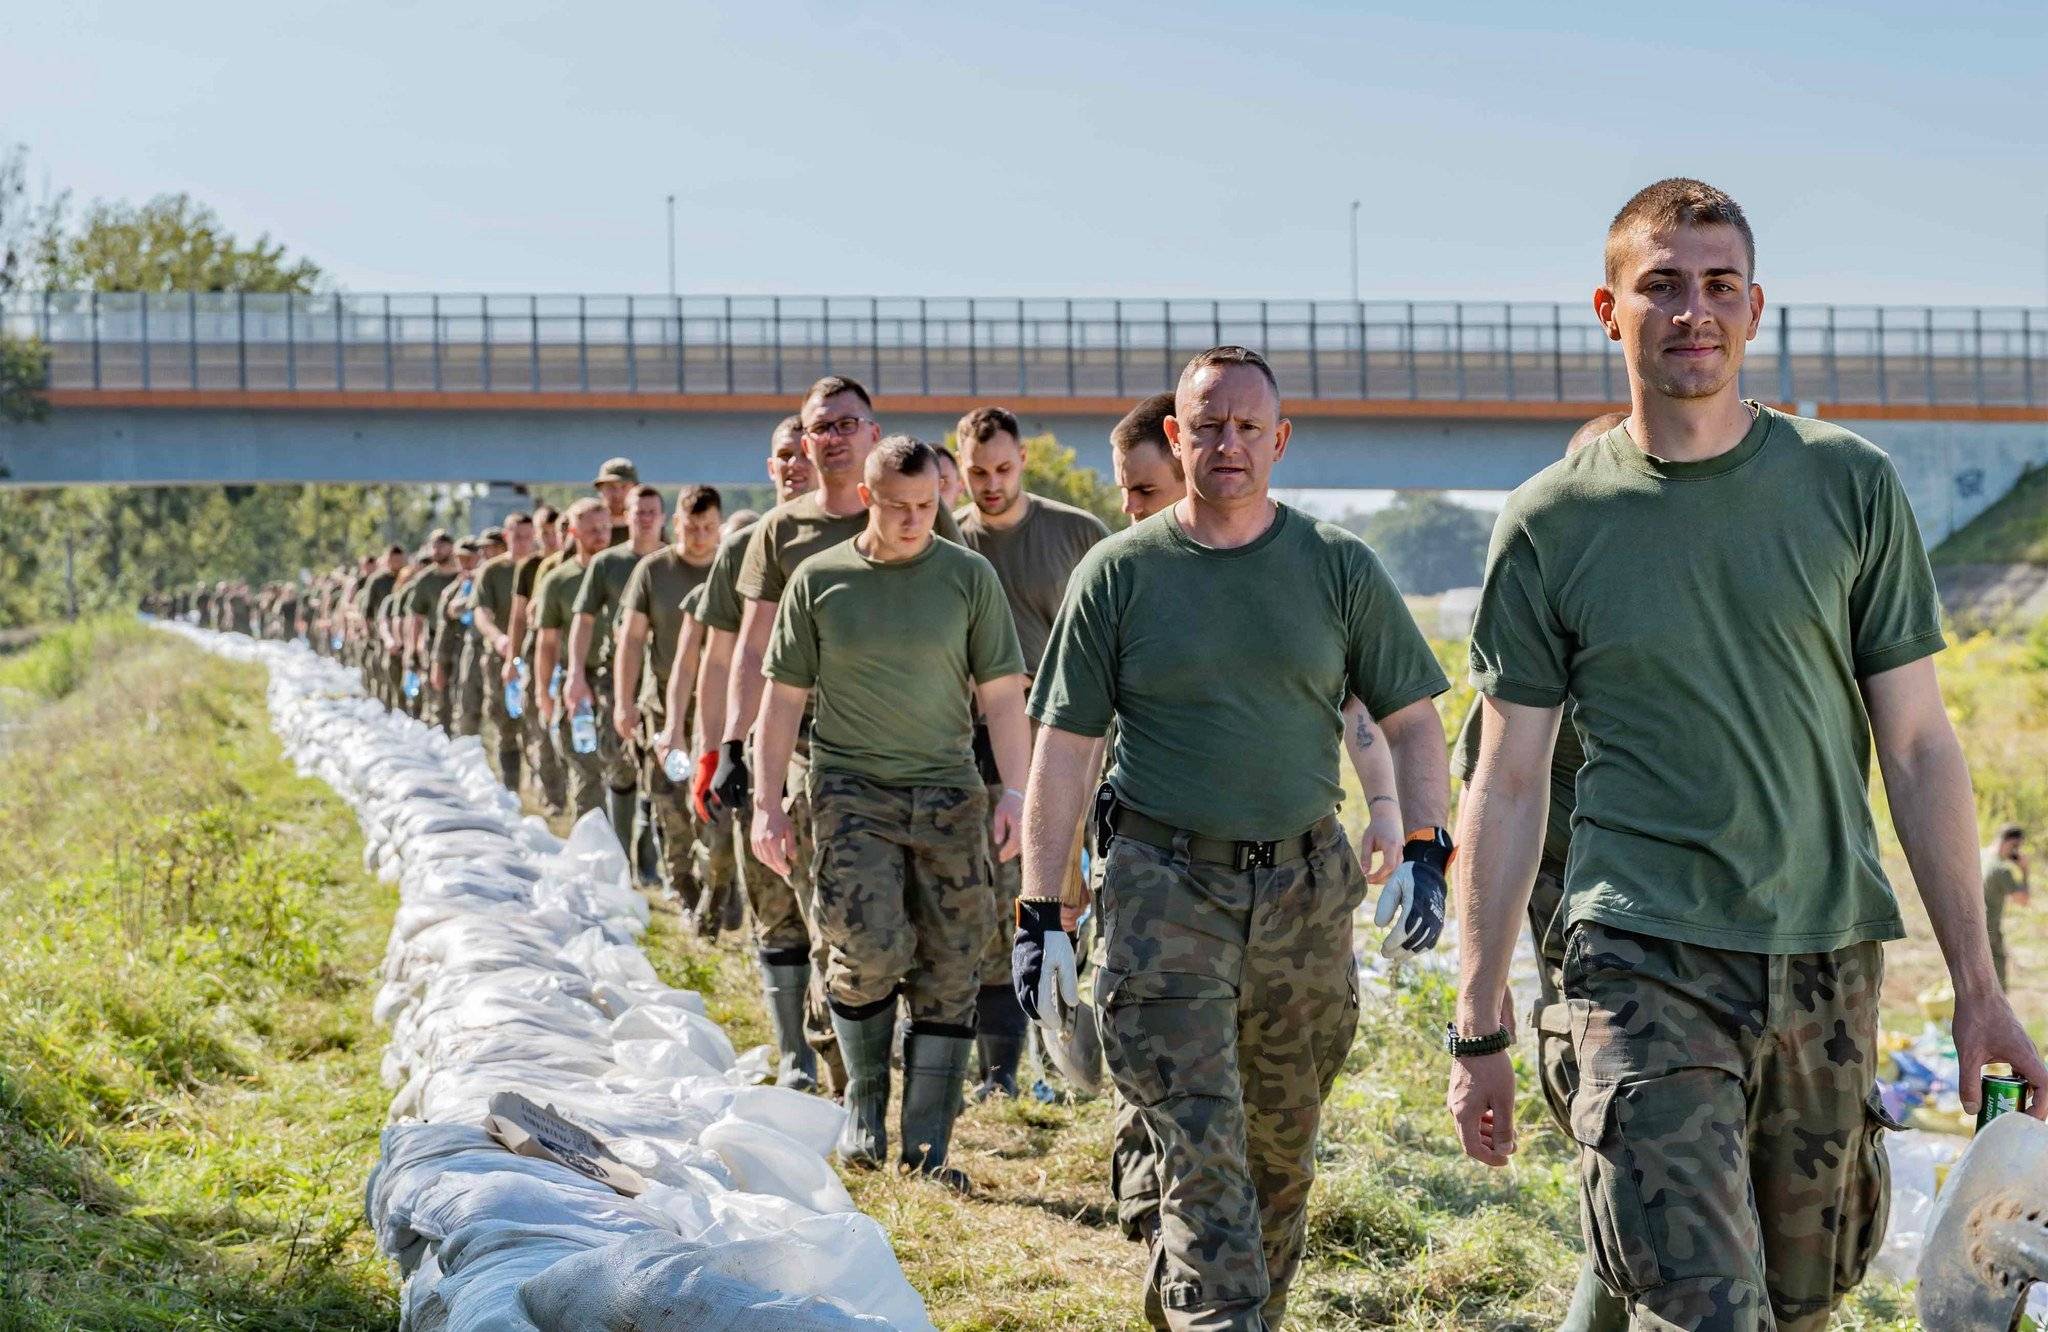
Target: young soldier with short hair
899, 635
497, 589
1738, 606
556, 592
588, 682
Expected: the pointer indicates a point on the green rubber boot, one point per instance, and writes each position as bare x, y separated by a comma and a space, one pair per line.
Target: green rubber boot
934, 1070
864, 1043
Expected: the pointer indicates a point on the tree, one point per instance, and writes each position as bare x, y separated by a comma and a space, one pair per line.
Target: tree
24, 227
171, 244
1053, 470
1429, 543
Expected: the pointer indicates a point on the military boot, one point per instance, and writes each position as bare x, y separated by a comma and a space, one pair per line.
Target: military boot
934, 1069
864, 1042
783, 986
999, 1040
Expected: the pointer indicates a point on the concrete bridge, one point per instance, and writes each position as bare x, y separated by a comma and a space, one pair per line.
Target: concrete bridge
211, 387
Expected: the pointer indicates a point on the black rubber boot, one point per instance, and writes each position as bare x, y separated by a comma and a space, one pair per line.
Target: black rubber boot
864, 1042
619, 808
647, 853
999, 1040
782, 987
934, 1070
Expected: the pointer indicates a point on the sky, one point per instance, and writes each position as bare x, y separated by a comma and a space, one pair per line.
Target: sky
1885, 152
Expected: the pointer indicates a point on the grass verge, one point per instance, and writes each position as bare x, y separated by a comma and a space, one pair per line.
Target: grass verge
189, 1098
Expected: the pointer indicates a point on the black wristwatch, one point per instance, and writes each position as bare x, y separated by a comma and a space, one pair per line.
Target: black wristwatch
1460, 1046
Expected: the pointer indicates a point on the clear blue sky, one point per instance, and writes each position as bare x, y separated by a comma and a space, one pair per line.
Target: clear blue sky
1886, 152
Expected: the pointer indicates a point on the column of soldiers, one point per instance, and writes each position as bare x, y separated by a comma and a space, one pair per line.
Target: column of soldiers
877, 724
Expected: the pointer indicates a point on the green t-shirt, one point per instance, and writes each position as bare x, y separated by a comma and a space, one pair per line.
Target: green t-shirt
556, 592
423, 593
2001, 879
793, 532
1226, 671
1034, 559
1566, 757
375, 591
496, 582
446, 625
602, 595
1711, 621
892, 653
720, 607
657, 589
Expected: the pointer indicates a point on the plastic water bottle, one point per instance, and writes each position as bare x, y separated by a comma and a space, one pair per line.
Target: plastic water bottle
334, 641
412, 684
583, 729
676, 766
555, 684
463, 594
515, 694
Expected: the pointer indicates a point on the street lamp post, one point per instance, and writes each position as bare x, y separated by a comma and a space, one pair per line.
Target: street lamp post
1354, 251
671, 249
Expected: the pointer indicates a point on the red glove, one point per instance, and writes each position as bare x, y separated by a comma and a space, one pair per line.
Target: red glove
700, 785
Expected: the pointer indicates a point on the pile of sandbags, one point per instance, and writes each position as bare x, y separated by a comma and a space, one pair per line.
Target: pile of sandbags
513, 971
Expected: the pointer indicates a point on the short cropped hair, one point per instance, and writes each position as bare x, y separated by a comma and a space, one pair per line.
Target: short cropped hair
645, 491
1592, 430
1227, 355
831, 386
1144, 424
2010, 831
545, 513
789, 427
1678, 201
516, 517
581, 507
699, 499
902, 455
984, 423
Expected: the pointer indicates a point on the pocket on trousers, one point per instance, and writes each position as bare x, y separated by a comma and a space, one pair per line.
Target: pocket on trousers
1610, 1201
1168, 1034
1866, 1198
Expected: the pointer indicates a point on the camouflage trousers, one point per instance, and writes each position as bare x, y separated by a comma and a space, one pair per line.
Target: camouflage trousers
443, 703
550, 777
903, 902
1733, 1175
1228, 1000
608, 768
675, 824
470, 688
503, 734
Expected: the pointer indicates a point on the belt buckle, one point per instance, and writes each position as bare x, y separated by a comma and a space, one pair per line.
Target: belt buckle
1255, 855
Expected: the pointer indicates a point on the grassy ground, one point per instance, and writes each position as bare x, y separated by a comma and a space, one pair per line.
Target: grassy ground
188, 1072
2012, 530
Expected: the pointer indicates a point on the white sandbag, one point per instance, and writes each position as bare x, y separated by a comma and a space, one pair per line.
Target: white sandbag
763, 1160
703, 1037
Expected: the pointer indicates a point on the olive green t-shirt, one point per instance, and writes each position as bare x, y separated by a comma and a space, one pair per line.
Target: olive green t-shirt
446, 625
893, 653
1034, 560
423, 593
496, 582
1711, 620
657, 588
556, 592
791, 533
1226, 671
375, 591
537, 568
720, 606
1566, 757
603, 593
2001, 879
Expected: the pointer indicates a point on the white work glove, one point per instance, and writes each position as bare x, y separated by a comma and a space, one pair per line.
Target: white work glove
1413, 900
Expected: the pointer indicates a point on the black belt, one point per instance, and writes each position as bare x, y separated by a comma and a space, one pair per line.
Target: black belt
1217, 850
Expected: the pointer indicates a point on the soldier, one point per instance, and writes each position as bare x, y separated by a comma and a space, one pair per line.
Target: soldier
376, 591
839, 431
615, 482
589, 679
556, 593
1227, 995
952, 486
899, 635
550, 779
497, 586
1737, 603
451, 624
650, 628
392, 644
2004, 864
1147, 474
1033, 543
422, 606
782, 941
1594, 1308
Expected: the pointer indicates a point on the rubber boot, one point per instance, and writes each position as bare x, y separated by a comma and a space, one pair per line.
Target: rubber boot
865, 1041
999, 1040
783, 986
647, 854
934, 1069
619, 807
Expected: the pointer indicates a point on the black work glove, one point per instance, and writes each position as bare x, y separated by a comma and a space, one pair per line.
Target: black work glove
731, 784
1413, 900
1042, 958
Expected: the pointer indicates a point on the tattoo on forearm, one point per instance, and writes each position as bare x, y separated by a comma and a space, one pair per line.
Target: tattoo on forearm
1364, 732
1387, 798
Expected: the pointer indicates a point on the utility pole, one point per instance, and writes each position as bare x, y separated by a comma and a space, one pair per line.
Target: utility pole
671, 249
1354, 251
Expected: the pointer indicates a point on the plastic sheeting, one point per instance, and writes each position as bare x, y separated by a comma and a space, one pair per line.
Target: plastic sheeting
513, 965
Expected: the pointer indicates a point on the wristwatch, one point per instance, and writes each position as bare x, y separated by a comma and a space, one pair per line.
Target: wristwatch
1460, 1046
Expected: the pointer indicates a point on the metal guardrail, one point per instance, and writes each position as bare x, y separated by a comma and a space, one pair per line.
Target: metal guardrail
1441, 351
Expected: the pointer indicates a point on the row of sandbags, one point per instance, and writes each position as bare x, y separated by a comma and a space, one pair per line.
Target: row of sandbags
513, 967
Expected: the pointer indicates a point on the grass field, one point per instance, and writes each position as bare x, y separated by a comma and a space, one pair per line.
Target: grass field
188, 1091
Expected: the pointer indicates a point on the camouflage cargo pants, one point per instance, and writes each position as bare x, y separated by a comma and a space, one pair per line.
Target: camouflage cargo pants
803, 888
549, 773
675, 825
1733, 1176
1228, 1000
503, 734
609, 768
470, 687
903, 903
444, 703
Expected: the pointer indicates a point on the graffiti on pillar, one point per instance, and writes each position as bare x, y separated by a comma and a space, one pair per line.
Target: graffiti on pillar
1969, 483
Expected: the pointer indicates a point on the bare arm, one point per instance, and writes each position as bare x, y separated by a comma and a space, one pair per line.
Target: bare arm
632, 654
1009, 734
546, 649
582, 626
415, 633
782, 710
1927, 783
743, 693
682, 680
713, 678
487, 625
1065, 768
1372, 758
1422, 765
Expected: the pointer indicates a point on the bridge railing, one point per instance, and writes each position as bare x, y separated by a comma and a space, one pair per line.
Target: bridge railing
513, 344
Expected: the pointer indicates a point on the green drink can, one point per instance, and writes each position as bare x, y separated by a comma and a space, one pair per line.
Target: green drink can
2001, 1095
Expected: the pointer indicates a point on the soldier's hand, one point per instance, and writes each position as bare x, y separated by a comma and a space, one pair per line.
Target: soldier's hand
1413, 902
1006, 825
773, 845
1042, 957
1987, 1031
1482, 1102
730, 781
625, 718
700, 785
1380, 852
576, 693
510, 672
